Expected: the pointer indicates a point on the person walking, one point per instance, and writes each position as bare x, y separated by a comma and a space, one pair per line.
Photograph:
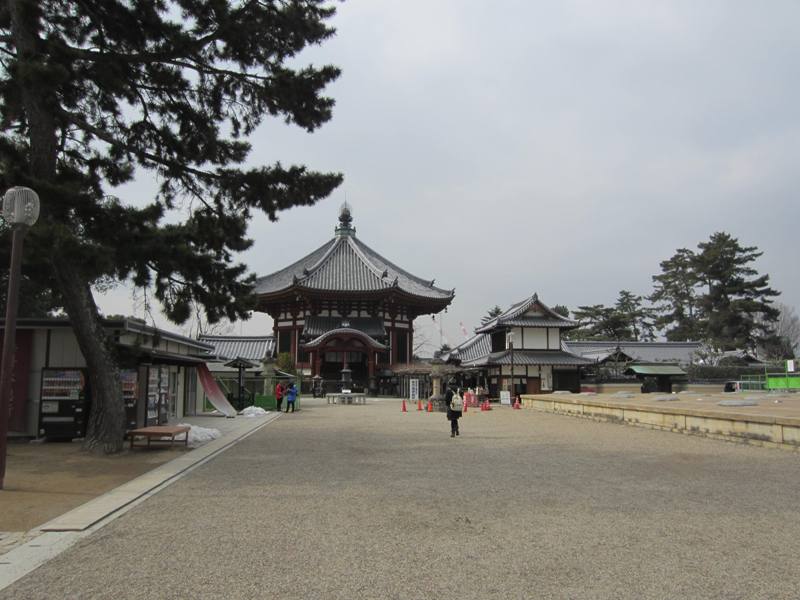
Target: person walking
291, 396
454, 407
279, 395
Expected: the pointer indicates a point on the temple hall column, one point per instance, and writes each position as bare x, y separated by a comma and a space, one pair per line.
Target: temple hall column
371, 372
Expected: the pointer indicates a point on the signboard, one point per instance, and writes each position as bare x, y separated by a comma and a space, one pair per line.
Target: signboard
790, 366
505, 397
414, 389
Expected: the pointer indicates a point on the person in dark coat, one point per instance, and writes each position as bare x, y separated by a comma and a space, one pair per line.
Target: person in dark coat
454, 407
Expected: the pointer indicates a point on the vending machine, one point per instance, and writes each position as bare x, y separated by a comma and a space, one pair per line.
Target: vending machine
157, 392
129, 378
63, 404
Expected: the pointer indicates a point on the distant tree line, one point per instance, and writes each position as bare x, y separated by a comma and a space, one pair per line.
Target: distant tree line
712, 294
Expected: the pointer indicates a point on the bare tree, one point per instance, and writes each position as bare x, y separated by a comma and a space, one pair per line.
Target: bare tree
788, 326
421, 342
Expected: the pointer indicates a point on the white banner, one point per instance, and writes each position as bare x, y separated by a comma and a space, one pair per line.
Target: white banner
414, 389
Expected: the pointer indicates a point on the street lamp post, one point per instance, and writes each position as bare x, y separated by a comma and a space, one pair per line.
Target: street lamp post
20, 211
511, 347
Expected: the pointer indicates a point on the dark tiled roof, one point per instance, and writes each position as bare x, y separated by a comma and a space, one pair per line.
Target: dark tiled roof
475, 347
515, 317
655, 370
667, 352
316, 326
529, 357
128, 324
537, 322
229, 347
345, 330
476, 352
347, 264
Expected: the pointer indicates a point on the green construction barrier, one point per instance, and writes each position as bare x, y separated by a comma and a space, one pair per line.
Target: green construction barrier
265, 402
783, 382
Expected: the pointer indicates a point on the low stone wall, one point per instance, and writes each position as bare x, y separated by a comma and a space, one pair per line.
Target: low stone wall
636, 387
761, 430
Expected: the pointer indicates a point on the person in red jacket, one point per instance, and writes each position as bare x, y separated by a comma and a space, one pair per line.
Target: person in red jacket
279, 395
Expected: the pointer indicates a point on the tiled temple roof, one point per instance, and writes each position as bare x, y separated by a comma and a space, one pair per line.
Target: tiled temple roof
529, 357
228, 347
682, 353
345, 264
516, 317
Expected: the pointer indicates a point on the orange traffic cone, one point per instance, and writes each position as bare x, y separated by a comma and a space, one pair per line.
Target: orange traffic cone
404, 405
430, 406
419, 404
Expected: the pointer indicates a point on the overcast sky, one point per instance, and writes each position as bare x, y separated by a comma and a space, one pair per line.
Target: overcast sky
565, 148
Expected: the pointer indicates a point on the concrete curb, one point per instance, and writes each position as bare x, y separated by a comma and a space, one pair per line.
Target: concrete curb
62, 532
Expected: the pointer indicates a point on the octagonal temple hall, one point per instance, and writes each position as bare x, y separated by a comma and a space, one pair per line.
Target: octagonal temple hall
344, 306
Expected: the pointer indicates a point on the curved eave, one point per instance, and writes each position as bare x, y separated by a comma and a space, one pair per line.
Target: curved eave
294, 290
318, 341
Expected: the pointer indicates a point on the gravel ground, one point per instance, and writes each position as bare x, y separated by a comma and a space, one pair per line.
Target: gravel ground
368, 502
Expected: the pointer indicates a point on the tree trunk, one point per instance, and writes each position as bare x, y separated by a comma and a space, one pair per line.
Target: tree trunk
106, 427
106, 419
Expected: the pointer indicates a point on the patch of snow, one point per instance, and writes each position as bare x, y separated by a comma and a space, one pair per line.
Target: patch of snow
253, 411
200, 435
745, 402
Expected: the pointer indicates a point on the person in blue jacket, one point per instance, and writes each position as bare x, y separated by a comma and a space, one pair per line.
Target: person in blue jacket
291, 396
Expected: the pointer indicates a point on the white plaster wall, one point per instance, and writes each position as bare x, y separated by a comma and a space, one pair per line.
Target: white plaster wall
64, 350
547, 377
519, 371
535, 338
553, 338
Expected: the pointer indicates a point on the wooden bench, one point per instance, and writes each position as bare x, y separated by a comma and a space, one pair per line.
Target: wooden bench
158, 433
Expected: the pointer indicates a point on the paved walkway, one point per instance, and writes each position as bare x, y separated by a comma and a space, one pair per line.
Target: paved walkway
368, 502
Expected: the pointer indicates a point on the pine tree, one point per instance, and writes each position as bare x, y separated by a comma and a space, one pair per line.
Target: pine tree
92, 92
599, 322
736, 306
627, 320
676, 298
491, 314
638, 318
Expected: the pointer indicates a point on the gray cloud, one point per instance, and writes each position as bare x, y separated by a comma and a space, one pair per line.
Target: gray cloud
559, 147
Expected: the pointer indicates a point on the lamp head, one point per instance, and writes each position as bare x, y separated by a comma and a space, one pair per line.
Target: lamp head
21, 206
